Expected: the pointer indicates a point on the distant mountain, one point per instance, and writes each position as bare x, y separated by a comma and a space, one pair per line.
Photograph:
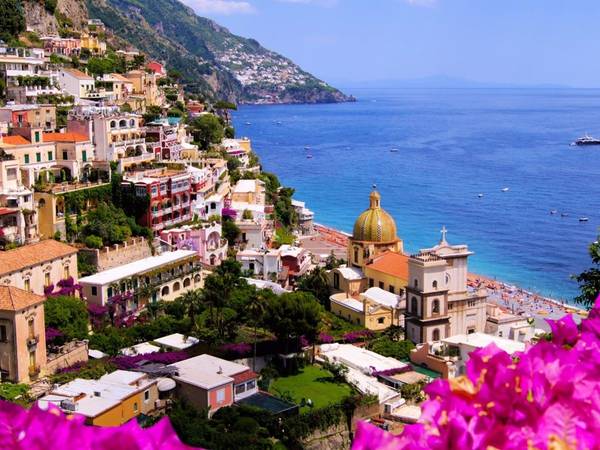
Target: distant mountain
212, 60
444, 81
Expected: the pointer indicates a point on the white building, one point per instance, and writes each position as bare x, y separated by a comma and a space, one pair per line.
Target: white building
439, 302
76, 83
263, 263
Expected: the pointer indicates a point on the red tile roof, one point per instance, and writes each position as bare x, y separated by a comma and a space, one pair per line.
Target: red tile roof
15, 140
32, 254
244, 376
14, 299
391, 263
5, 211
65, 137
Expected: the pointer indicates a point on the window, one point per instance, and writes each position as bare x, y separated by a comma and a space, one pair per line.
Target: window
27, 285
250, 385
381, 320
146, 395
38, 157
26, 159
94, 291
84, 155
392, 289
110, 292
416, 283
450, 306
37, 136
381, 285
11, 174
66, 272
336, 280
135, 407
65, 155
47, 279
31, 328
435, 309
356, 255
50, 156
499, 333
220, 395
251, 267
165, 291
414, 305
371, 282
176, 286
436, 334
471, 331
240, 389
434, 284
3, 333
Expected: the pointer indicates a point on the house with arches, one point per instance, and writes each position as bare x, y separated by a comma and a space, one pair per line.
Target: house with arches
206, 239
133, 286
439, 303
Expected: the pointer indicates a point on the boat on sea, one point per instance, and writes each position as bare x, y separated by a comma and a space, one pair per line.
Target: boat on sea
394, 150
564, 215
587, 140
583, 219
309, 156
505, 189
553, 212
479, 195
248, 123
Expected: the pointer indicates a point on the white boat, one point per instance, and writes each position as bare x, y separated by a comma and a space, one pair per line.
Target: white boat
505, 189
248, 123
587, 140
479, 195
583, 219
564, 215
309, 156
553, 212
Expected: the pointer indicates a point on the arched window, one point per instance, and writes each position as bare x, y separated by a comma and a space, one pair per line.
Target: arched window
356, 255
416, 283
434, 284
435, 308
197, 279
176, 286
165, 291
132, 123
113, 124
414, 305
187, 282
436, 334
122, 123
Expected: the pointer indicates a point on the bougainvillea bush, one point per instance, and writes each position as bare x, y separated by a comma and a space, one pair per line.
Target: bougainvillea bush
41, 429
545, 398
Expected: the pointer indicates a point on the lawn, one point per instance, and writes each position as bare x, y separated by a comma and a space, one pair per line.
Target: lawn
314, 383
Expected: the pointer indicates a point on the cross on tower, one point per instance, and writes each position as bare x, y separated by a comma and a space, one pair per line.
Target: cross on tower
444, 231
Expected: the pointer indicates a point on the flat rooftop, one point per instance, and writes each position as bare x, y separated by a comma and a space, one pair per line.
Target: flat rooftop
177, 341
481, 340
207, 371
136, 267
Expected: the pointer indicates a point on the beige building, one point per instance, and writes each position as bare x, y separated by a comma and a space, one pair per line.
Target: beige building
374, 309
36, 266
122, 87
35, 116
249, 191
145, 86
163, 277
439, 302
22, 335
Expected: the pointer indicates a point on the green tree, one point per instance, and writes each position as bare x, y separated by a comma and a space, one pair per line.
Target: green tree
12, 19
317, 283
256, 310
153, 112
589, 280
292, 315
67, 314
207, 129
395, 349
230, 231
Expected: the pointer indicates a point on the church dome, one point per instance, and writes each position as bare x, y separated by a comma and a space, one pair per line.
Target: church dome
375, 224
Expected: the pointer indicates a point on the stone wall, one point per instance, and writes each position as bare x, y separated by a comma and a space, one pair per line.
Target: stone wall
71, 353
119, 254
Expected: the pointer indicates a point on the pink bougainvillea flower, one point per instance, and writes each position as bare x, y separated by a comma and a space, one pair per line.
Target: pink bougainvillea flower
41, 429
547, 397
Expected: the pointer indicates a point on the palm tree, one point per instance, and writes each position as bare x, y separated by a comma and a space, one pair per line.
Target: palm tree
256, 311
192, 300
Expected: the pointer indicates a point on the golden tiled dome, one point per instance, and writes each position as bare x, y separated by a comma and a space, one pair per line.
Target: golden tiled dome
375, 225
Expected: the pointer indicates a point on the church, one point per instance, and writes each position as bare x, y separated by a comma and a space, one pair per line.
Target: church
432, 283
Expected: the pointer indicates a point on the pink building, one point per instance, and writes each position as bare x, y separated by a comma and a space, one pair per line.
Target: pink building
61, 46
205, 239
157, 68
162, 138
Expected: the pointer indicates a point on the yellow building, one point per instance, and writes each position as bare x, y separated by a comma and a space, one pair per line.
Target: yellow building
374, 309
93, 43
113, 400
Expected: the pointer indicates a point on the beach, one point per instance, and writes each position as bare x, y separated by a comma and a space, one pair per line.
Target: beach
509, 297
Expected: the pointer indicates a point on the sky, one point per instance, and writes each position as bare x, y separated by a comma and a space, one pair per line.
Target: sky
524, 42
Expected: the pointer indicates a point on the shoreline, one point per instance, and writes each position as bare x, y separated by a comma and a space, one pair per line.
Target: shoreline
508, 296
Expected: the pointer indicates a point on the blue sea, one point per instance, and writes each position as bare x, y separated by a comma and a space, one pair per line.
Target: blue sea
452, 145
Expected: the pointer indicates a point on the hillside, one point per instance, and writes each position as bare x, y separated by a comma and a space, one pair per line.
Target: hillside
211, 60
